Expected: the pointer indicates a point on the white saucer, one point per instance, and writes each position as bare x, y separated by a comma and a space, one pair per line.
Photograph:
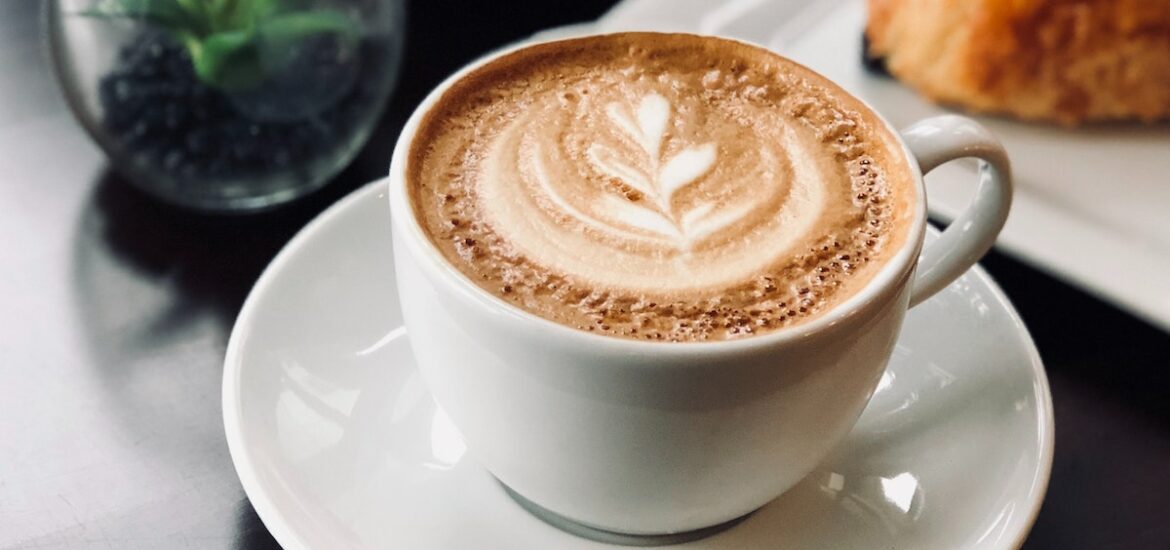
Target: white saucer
339, 445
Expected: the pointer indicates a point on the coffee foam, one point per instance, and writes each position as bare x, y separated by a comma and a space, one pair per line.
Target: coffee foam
658, 186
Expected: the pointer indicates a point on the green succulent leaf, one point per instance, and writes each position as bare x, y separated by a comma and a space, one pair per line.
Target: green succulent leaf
229, 60
196, 8
223, 37
265, 8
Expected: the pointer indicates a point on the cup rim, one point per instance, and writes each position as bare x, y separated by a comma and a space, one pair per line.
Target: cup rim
895, 272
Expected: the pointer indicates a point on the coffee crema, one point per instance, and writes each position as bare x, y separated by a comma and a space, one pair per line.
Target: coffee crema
659, 186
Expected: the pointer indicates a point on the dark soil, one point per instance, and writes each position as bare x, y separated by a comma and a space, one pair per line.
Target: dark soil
160, 114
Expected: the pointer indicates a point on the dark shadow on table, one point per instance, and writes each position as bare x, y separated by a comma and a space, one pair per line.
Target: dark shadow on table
250, 531
156, 290
193, 269
203, 261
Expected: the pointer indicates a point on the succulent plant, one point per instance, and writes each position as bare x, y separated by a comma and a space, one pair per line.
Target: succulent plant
235, 44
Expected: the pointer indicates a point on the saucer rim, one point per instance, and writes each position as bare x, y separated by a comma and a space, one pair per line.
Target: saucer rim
281, 530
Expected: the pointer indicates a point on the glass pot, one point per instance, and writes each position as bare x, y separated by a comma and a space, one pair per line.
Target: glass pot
227, 105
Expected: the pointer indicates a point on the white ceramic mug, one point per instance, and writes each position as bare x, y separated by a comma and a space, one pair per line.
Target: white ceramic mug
648, 437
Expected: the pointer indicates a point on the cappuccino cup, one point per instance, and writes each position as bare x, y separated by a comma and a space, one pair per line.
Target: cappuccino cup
654, 279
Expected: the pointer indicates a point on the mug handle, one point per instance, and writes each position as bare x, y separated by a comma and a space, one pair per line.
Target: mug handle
941, 139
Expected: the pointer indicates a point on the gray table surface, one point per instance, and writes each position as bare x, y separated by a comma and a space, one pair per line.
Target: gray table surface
115, 312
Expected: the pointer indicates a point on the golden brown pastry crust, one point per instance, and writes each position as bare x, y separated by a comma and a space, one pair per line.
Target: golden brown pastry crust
1067, 61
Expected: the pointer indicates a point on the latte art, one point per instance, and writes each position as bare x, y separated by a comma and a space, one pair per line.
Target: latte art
638, 186
651, 201
654, 180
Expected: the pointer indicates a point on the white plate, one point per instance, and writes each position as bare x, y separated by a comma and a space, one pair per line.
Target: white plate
339, 445
1092, 205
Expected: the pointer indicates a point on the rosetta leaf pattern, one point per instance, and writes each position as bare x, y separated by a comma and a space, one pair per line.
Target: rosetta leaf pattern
646, 124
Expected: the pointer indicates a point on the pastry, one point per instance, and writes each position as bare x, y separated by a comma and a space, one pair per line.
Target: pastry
1066, 61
